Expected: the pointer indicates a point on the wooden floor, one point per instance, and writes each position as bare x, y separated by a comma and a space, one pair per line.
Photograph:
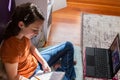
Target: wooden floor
66, 22
65, 26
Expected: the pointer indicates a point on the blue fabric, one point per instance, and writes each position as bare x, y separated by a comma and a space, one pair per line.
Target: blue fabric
63, 52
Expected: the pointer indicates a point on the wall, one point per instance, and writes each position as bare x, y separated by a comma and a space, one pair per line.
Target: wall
59, 4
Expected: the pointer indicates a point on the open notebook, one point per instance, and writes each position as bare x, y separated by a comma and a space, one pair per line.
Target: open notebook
54, 75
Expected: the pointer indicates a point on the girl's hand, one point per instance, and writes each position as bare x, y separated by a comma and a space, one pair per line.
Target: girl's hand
46, 67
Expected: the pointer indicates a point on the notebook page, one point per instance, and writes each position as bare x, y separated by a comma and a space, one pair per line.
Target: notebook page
55, 75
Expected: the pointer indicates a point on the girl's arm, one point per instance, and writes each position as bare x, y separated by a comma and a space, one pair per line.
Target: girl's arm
11, 70
37, 55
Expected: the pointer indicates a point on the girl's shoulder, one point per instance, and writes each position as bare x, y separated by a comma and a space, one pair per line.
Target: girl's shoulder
13, 39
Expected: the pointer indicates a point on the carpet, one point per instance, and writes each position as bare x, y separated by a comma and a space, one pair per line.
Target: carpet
99, 30
78, 66
78, 58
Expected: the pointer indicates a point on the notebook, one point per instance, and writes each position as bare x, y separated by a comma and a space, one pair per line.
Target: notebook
54, 75
103, 63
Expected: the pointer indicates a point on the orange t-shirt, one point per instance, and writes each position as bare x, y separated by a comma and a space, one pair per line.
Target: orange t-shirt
15, 50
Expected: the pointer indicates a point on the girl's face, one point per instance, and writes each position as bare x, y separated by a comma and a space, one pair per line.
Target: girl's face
32, 29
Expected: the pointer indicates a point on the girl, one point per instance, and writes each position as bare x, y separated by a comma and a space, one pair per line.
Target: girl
21, 59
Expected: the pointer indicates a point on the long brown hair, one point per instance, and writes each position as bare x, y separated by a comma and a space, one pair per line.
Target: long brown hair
28, 13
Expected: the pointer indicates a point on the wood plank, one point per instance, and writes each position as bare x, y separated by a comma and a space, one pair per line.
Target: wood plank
65, 26
95, 8
99, 2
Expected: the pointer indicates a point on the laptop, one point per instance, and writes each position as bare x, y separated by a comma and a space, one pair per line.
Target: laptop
103, 63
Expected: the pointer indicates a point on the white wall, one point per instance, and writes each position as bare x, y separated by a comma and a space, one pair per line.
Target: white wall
59, 4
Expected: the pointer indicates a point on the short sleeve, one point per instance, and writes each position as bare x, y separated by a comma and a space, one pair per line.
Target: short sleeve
9, 53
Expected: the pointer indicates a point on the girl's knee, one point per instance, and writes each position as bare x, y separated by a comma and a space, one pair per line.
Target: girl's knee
69, 45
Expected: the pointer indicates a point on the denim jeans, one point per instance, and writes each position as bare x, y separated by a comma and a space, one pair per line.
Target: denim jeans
63, 52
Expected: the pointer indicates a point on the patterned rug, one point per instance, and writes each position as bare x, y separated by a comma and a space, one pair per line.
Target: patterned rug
99, 30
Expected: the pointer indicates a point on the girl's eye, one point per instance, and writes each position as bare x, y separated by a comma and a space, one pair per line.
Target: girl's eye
35, 30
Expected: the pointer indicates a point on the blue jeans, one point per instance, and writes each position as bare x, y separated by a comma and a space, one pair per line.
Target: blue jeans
63, 52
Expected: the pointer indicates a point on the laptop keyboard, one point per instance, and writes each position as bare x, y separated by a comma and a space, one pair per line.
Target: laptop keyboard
101, 63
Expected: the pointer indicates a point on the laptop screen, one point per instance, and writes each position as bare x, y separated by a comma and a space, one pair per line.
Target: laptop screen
115, 50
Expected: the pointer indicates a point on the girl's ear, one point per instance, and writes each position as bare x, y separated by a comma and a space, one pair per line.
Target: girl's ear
21, 24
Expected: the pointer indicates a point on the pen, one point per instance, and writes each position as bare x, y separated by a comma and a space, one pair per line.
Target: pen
36, 77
